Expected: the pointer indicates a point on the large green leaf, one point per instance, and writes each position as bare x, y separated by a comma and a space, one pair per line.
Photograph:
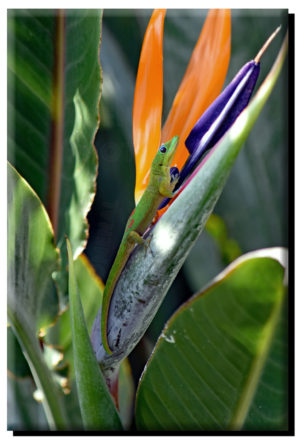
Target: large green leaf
53, 96
32, 304
57, 343
96, 405
205, 372
269, 408
32, 256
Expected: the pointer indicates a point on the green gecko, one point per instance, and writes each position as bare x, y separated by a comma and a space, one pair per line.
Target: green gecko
159, 187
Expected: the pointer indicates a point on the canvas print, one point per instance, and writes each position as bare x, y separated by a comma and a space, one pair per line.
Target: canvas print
148, 221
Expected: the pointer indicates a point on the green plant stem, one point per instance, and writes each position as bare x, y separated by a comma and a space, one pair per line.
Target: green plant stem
52, 400
96, 405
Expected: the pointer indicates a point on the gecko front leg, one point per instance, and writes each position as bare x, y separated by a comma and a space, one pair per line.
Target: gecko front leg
166, 185
135, 237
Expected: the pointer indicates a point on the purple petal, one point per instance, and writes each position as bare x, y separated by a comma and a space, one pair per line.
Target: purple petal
217, 119
220, 115
226, 107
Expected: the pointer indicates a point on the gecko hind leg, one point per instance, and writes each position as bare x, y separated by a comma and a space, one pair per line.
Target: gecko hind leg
137, 238
147, 244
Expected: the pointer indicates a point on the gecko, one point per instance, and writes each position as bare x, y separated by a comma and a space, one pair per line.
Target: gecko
160, 186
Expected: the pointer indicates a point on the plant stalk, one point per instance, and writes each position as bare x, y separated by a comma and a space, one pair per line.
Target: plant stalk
52, 401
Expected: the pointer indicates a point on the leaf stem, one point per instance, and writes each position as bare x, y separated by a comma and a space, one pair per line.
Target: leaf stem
52, 401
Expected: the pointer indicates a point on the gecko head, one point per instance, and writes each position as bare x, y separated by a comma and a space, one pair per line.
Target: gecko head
165, 154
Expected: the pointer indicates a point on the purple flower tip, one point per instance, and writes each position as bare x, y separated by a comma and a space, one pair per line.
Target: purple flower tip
219, 116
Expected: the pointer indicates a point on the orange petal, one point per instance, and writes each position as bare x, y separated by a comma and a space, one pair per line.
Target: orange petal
203, 80
148, 97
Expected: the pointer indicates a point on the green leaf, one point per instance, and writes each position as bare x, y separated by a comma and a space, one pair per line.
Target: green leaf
205, 372
17, 365
23, 412
97, 408
32, 304
90, 288
269, 408
54, 87
32, 256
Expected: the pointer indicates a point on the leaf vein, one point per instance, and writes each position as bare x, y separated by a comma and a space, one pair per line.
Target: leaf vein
206, 409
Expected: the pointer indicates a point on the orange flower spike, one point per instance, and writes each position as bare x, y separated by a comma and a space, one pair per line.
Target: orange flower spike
203, 80
148, 99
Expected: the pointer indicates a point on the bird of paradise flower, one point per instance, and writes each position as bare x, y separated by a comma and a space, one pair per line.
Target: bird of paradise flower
201, 84
192, 105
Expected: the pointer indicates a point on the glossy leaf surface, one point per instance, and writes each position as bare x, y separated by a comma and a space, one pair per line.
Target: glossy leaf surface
32, 256
90, 288
97, 408
53, 96
32, 304
205, 372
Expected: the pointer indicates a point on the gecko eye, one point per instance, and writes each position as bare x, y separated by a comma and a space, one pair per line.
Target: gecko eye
163, 149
